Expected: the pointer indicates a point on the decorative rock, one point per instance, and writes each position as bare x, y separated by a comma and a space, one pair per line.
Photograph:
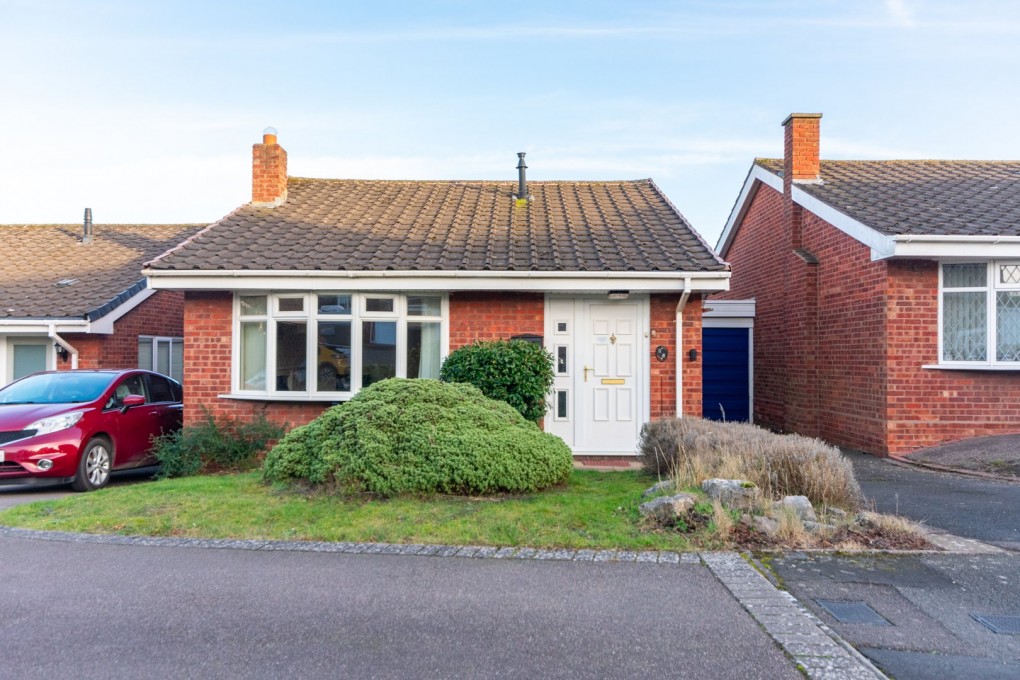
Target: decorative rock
816, 527
666, 509
766, 525
800, 505
734, 493
835, 513
665, 485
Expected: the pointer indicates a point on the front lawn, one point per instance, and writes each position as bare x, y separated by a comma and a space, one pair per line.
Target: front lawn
593, 510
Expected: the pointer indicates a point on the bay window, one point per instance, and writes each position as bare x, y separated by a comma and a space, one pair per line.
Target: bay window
329, 345
980, 314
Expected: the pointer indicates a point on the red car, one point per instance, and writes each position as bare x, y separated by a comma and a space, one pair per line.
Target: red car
79, 426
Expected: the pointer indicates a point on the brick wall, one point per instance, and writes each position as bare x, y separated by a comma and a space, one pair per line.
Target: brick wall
161, 314
930, 406
819, 332
494, 316
663, 373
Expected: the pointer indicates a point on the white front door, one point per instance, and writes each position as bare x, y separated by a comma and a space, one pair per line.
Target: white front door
600, 393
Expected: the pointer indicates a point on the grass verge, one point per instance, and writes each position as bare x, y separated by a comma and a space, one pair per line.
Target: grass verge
593, 510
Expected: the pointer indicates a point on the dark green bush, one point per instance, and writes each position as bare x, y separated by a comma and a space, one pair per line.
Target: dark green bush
421, 436
517, 372
214, 444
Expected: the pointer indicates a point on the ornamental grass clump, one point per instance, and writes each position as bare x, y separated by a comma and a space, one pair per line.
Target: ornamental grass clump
421, 436
692, 450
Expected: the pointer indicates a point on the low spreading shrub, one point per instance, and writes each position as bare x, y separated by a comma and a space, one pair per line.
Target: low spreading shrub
421, 436
691, 450
517, 372
214, 444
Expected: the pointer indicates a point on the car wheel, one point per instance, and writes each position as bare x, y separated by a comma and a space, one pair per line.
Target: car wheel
94, 466
327, 377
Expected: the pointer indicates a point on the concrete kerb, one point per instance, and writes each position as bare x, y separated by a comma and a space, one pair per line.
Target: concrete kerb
814, 647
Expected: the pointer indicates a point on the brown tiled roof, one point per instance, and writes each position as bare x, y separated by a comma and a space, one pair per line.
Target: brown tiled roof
46, 272
356, 225
953, 198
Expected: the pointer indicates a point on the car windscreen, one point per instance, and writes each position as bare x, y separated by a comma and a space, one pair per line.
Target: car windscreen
56, 388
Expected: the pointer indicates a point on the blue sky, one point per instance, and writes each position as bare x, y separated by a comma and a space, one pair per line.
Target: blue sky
146, 112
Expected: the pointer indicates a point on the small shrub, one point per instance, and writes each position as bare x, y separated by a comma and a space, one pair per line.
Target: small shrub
692, 450
214, 444
421, 436
517, 372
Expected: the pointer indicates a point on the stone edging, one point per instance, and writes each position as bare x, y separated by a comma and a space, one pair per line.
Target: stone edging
814, 647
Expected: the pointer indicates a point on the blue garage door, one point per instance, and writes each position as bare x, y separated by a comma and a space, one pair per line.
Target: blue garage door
725, 386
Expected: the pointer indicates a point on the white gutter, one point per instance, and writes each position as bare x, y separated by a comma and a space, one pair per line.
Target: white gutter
680, 347
542, 281
65, 344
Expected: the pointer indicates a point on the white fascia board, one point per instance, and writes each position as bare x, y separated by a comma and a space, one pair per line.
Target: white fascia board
726, 309
880, 244
957, 247
756, 176
525, 281
42, 326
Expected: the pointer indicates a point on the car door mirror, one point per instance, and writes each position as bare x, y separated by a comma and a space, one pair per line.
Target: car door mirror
131, 400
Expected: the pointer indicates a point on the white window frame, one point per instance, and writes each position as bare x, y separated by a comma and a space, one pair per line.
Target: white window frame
990, 289
312, 317
155, 339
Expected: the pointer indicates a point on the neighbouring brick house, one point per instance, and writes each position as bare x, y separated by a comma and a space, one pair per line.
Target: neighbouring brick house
319, 287
74, 297
888, 295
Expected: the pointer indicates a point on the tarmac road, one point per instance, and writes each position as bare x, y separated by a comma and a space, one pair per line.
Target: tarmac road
92, 610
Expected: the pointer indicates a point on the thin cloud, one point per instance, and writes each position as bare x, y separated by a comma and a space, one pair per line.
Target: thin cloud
900, 13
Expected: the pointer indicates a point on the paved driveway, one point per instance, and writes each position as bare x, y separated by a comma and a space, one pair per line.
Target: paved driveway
985, 510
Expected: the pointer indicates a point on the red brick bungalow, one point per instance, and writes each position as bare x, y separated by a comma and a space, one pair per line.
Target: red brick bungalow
73, 296
888, 295
319, 287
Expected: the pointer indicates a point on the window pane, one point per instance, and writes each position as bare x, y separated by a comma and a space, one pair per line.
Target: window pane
334, 360
177, 360
159, 389
561, 359
1009, 274
253, 355
29, 359
561, 404
145, 353
1007, 335
378, 351
291, 304
379, 305
964, 275
291, 347
163, 357
253, 305
423, 306
334, 304
423, 349
964, 327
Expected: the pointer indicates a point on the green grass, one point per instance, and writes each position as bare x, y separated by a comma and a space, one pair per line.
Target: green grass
593, 510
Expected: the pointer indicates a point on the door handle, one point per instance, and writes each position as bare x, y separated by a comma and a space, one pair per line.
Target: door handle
586, 369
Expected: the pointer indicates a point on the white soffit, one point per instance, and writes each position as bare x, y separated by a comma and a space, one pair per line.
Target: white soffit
756, 176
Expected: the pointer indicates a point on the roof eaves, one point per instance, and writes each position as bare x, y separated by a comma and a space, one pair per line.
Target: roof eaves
757, 175
109, 306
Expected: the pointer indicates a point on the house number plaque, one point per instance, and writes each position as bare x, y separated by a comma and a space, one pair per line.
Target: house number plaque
661, 353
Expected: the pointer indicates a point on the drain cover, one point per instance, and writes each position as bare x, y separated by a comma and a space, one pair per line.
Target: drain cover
852, 612
1004, 625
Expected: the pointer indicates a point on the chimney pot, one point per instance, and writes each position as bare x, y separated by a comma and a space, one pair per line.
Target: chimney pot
801, 157
269, 135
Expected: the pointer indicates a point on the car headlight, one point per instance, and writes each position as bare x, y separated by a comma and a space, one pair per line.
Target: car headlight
56, 423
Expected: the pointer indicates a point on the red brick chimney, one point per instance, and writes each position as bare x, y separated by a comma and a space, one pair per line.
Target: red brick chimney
268, 171
800, 150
